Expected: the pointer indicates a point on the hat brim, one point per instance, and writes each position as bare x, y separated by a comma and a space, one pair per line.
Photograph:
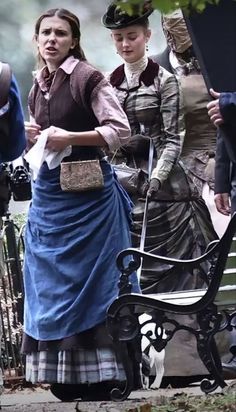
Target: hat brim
127, 21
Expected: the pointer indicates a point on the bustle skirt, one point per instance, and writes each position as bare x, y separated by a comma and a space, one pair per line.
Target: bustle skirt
70, 279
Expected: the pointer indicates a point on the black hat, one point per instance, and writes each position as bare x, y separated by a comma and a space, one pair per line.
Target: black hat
116, 18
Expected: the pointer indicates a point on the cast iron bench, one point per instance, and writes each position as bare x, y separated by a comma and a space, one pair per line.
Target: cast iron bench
213, 306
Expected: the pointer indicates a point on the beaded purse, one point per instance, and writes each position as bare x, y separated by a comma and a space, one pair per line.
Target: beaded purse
81, 176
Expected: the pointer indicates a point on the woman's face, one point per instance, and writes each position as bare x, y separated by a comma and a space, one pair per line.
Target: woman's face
131, 42
54, 41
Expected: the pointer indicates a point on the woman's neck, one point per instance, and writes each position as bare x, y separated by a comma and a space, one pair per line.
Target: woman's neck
139, 65
53, 66
134, 70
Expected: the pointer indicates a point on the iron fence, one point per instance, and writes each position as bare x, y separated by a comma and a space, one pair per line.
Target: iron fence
11, 301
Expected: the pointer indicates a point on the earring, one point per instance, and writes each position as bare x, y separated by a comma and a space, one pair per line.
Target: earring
146, 47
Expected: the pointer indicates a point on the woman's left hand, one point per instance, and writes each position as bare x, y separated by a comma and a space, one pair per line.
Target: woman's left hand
214, 109
58, 139
154, 186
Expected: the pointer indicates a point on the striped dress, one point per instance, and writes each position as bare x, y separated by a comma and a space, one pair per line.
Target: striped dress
178, 224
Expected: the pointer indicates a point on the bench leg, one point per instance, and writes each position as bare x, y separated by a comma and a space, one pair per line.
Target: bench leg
209, 322
128, 351
122, 354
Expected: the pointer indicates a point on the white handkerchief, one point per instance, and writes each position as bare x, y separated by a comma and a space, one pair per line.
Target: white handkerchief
38, 154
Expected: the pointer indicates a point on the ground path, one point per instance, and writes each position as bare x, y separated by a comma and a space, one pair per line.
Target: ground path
41, 400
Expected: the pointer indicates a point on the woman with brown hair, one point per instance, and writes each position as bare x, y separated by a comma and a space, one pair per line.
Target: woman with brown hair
73, 236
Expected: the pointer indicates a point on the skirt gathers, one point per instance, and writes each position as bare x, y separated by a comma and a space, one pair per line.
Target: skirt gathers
70, 278
180, 230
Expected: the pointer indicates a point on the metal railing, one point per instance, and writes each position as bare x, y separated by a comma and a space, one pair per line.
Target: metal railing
12, 301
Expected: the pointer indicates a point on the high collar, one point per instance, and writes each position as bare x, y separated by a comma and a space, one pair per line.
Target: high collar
134, 70
146, 76
138, 66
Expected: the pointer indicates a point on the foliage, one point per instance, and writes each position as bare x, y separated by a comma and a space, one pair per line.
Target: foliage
17, 29
9, 297
181, 402
166, 6
20, 219
17, 19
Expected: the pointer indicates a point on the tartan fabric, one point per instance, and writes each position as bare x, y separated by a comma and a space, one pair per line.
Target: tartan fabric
73, 366
182, 229
155, 111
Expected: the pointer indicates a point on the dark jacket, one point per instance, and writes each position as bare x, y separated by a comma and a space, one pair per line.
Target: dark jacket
163, 59
225, 172
16, 140
227, 102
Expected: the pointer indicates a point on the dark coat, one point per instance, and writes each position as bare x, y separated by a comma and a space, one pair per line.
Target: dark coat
227, 102
163, 59
225, 172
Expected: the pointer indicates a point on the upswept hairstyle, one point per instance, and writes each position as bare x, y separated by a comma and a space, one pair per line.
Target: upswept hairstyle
74, 23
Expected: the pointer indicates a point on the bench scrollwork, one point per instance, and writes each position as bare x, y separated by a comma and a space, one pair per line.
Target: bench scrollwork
124, 313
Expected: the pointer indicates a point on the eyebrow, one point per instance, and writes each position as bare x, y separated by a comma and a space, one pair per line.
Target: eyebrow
56, 28
120, 34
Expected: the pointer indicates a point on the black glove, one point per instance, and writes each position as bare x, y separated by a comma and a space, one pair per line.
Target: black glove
138, 144
154, 186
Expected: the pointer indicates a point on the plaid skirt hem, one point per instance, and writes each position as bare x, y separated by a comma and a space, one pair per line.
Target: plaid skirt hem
74, 366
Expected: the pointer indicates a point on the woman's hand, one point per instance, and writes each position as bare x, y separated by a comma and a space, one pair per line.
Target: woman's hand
138, 145
32, 130
154, 186
58, 139
150, 189
214, 109
222, 203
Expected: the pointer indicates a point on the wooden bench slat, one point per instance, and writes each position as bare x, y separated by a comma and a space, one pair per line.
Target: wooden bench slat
226, 296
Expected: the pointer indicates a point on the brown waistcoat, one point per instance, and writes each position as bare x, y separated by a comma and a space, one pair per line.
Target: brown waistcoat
68, 105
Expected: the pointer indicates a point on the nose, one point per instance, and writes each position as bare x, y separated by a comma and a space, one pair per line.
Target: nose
125, 43
52, 36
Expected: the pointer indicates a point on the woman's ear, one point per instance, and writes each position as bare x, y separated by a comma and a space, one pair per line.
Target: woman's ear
148, 34
113, 39
74, 44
